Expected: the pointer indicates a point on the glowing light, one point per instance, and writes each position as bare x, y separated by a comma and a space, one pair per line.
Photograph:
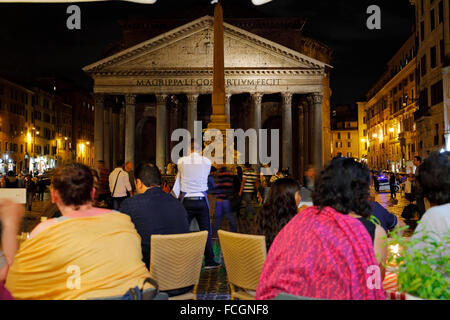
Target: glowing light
375, 135
363, 140
260, 2
391, 129
65, 138
29, 137
87, 143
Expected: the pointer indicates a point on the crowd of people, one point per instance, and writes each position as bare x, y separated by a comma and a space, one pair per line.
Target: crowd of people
36, 186
321, 237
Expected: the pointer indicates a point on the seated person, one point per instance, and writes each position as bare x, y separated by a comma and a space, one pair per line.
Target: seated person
434, 185
10, 217
153, 211
325, 251
280, 207
87, 253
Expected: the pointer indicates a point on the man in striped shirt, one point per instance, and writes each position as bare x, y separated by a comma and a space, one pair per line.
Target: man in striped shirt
224, 193
249, 187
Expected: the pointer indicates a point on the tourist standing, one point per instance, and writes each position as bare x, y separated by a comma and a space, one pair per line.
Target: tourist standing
119, 185
224, 195
129, 169
420, 202
192, 181
392, 186
41, 186
249, 188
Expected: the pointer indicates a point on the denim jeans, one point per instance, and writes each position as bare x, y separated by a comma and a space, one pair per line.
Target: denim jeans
117, 202
224, 207
248, 197
199, 210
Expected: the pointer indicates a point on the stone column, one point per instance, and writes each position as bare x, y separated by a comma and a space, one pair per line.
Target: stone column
122, 133
306, 136
98, 135
301, 141
256, 100
161, 130
192, 112
228, 106
286, 114
116, 138
317, 154
130, 124
107, 139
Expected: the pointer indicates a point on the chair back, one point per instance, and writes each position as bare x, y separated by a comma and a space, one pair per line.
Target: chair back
244, 257
176, 259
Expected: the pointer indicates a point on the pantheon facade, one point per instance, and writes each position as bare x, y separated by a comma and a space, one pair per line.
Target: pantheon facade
146, 90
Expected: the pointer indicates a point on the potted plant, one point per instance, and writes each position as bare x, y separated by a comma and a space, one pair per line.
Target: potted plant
423, 267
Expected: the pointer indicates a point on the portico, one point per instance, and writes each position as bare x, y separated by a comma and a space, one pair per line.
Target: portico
164, 83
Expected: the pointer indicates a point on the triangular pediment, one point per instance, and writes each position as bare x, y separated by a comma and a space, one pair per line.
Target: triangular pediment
191, 47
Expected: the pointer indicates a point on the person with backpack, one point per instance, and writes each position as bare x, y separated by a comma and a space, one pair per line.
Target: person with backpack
119, 185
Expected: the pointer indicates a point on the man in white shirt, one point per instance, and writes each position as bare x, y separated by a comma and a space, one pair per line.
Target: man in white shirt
192, 181
119, 185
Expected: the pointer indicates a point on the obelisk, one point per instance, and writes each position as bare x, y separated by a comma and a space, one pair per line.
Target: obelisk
218, 118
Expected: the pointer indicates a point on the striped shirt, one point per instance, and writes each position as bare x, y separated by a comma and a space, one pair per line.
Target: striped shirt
224, 185
250, 177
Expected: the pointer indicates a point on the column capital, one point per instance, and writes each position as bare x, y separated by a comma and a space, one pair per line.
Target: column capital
99, 98
130, 99
192, 98
161, 98
287, 97
316, 98
257, 97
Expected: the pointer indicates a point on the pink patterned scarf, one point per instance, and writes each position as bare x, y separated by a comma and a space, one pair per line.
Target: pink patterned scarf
326, 255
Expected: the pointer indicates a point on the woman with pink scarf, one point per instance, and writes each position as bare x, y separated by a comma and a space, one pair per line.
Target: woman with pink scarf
330, 250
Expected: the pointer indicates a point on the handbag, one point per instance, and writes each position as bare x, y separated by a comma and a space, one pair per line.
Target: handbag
137, 293
110, 199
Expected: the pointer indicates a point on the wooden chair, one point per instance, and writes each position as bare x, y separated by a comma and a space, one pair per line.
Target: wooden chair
244, 257
176, 261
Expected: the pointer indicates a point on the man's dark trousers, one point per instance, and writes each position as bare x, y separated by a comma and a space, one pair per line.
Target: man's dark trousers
199, 210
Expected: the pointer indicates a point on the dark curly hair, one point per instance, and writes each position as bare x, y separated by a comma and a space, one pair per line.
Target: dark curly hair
278, 209
434, 178
343, 185
74, 183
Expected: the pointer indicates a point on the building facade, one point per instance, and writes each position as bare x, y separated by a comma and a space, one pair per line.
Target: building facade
43, 126
15, 115
433, 76
389, 113
76, 133
145, 92
345, 140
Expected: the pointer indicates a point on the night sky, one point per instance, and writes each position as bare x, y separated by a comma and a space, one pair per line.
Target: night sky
34, 40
